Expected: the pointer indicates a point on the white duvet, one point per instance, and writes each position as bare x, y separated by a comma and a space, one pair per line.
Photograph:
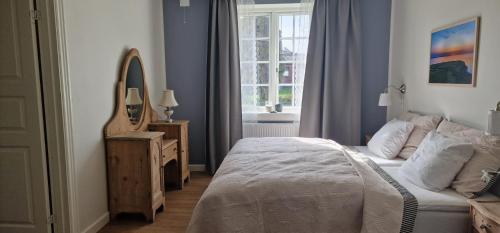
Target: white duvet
296, 185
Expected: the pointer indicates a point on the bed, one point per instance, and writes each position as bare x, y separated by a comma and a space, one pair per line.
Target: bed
438, 212
301, 185
317, 185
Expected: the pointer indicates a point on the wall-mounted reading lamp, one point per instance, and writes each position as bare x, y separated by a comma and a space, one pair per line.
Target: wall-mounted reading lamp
385, 97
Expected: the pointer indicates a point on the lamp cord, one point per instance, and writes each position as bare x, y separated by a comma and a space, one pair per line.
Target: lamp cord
185, 17
403, 105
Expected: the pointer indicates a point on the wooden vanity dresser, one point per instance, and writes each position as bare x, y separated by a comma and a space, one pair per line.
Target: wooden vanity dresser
141, 161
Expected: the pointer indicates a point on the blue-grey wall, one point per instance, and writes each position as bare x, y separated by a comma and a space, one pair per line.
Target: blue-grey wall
186, 64
376, 23
186, 39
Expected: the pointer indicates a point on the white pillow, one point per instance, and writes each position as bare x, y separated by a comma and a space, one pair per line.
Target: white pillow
389, 140
436, 161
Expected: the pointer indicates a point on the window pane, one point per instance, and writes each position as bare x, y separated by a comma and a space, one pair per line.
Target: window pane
262, 26
245, 25
285, 95
286, 73
302, 25
300, 70
262, 50
300, 49
262, 96
257, 34
247, 72
286, 26
297, 97
263, 73
286, 50
247, 95
247, 50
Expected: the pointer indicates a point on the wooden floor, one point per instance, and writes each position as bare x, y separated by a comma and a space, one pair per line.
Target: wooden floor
175, 217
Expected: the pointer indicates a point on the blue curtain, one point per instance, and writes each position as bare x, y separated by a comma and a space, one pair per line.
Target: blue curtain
331, 101
224, 123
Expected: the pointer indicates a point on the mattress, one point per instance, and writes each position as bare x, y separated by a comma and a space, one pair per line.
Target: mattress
383, 162
445, 201
438, 212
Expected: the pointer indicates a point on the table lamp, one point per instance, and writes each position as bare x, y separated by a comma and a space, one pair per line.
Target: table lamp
494, 121
168, 102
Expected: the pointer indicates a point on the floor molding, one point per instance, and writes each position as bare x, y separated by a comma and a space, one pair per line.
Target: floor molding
197, 167
98, 224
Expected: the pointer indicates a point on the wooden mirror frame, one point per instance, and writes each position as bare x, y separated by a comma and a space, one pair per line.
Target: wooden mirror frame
120, 123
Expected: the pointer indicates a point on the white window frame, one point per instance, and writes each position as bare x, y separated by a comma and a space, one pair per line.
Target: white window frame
271, 47
274, 11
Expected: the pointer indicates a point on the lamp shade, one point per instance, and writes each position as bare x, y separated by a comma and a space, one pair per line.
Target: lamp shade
133, 97
168, 99
493, 123
384, 100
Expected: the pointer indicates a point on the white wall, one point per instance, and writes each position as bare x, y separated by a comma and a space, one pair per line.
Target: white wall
412, 23
99, 33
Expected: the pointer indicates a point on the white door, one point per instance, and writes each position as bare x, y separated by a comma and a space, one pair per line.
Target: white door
24, 194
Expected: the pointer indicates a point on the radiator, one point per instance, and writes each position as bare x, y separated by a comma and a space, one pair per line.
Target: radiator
270, 130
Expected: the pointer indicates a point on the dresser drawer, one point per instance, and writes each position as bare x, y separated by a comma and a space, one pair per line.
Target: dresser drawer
169, 153
483, 224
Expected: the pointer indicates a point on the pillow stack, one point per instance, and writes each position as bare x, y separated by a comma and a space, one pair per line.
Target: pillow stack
405, 145
486, 157
439, 153
423, 125
436, 161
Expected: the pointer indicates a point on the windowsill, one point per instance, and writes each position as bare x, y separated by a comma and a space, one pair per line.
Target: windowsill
265, 117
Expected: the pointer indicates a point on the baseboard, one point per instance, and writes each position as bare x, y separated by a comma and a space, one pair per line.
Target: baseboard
197, 167
98, 224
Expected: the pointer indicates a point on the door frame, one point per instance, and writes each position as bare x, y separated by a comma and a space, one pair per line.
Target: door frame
58, 115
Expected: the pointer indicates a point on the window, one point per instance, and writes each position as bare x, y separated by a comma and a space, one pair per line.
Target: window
273, 47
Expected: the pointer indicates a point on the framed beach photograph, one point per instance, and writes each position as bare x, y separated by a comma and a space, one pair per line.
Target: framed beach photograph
454, 51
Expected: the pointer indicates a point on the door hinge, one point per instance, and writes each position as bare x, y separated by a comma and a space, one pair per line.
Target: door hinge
35, 15
51, 219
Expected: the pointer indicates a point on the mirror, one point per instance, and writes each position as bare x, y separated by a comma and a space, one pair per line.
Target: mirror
134, 90
133, 111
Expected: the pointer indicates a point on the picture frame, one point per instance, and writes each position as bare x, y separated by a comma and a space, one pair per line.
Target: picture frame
453, 53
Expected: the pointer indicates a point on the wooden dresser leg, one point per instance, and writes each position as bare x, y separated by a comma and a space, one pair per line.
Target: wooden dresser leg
112, 216
150, 215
